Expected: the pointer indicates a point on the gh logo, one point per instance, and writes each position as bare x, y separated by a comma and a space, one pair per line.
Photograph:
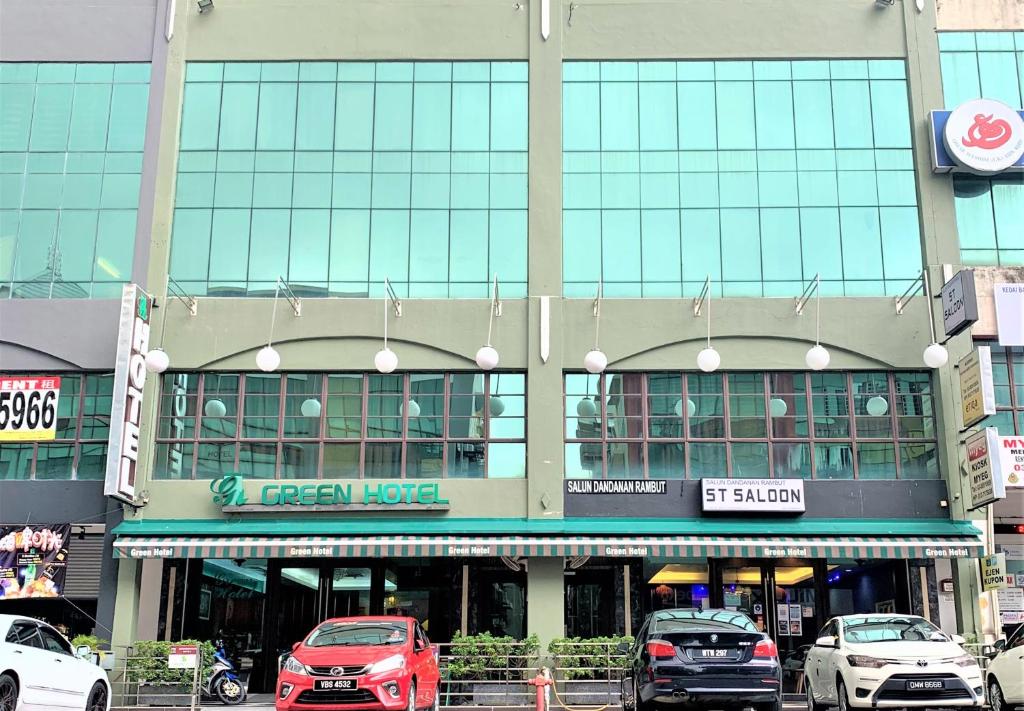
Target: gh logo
229, 490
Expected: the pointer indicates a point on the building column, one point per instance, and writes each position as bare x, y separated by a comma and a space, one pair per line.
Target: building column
545, 600
125, 628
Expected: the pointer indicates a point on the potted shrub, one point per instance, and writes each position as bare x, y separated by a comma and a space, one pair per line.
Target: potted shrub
589, 671
486, 670
154, 683
100, 648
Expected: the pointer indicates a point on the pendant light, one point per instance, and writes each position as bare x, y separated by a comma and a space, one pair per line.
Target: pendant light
935, 355
157, 360
268, 359
487, 356
817, 357
708, 359
385, 361
595, 361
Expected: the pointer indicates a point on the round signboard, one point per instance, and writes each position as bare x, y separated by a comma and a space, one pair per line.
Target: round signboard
984, 136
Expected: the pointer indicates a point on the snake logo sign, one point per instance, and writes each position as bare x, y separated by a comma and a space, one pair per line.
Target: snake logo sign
984, 136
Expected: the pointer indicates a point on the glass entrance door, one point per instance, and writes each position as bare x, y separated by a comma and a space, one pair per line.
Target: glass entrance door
744, 589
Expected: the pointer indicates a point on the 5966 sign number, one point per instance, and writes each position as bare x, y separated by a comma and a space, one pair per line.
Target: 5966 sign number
28, 408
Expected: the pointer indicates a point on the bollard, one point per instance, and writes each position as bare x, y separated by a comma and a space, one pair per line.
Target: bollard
541, 681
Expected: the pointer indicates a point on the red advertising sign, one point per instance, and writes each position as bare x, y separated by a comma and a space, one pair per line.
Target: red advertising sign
28, 408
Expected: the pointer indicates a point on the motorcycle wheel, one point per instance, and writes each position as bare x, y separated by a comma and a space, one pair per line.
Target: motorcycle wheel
229, 691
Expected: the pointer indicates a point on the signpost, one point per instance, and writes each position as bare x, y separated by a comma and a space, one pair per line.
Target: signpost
993, 572
959, 302
28, 408
983, 470
183, 656
977, 391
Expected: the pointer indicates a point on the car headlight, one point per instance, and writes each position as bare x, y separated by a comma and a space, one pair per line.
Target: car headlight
396, 661
862, 660
965, 661
295, 666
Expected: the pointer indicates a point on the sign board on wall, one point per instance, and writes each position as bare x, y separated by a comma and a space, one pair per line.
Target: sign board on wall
959, 302
129, 381
33, 560
1009, 300
229, 493
183, 656
977, 391
766, 495
1011, 460
983, 470
980, 136
993, 572
28, 408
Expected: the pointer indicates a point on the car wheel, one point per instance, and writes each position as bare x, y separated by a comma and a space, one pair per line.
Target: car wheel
995, 695
97, 698
8, 693
411, 704
812, 705
229, 691
844, 700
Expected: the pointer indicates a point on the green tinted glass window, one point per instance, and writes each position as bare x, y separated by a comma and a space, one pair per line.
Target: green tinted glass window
71, 142
336, 176
761, 174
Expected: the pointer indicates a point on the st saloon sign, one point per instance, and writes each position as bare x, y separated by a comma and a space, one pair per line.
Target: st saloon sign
129, 381
762, 495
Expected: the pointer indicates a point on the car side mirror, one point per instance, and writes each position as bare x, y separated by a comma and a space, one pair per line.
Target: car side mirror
957, 639
622, 648
831, 642
419, 645
1000, 645
83, 651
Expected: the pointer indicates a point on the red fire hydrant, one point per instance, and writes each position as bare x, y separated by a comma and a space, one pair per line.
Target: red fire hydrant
541, 681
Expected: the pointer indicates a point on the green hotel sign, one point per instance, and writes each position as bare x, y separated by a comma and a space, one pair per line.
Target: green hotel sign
230, 494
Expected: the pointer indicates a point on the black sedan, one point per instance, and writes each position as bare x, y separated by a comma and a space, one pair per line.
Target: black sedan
705, 658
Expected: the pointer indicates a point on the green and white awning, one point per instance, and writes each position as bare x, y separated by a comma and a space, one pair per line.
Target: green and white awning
622, 546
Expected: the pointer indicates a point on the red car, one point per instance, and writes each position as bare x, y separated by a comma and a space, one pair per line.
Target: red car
379, 663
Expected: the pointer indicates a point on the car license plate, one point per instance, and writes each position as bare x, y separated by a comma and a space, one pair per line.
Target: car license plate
925, 684
333, 684
713, 653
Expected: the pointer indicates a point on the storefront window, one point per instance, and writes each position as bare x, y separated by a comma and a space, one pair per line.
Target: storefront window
70, 170
79, 450
672, 583
676, 170
337, 175
342, 425
866, 425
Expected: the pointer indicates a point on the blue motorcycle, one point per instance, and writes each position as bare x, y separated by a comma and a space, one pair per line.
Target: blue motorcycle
224, 682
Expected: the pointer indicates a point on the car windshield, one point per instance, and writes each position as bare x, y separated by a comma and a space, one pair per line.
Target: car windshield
358, 634
891, 629
701, 620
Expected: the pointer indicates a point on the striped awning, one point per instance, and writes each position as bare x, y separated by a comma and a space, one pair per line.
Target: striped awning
411, 546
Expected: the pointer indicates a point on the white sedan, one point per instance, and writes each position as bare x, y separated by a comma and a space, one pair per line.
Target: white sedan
890, 661
39, 670
1005, 673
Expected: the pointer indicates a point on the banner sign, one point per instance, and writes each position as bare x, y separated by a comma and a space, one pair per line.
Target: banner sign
959, 302
616, 486
1011, 460
977, 390
33, 560
981, 136
768, 495
229, 493
1011, 605
983, 470
993, 572
129, 380
1009, 300
183, 656
28, 408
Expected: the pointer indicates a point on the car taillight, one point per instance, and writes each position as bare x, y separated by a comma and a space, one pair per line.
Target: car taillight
660, 650
766, 648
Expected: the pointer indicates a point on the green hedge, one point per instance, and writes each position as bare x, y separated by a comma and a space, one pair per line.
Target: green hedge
593, 658
91, 641
484, 657
147, 662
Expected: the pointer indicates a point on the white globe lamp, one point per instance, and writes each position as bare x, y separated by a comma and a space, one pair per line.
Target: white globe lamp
708, 360
818, 357
310, 407
497, 406
157, 360
595, 362
586, 408
691, 407
215, 407
412, 406
487, 358
268, 359
385, 361
777, 407
876, 406
936, 356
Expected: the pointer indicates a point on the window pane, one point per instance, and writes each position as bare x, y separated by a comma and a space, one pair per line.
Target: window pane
15, 461
792, 461
876, 460
383, 460
919, 461
341, 461
833, 461
667, 460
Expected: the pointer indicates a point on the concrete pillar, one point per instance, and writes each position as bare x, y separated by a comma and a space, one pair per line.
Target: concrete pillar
125, 627
150, 580
545, 600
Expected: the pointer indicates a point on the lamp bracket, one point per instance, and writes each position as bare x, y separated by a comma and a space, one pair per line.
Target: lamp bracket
598, 298
913, 290
698, 302
496, 298
396, 303
289, 294
810, 289
174, 289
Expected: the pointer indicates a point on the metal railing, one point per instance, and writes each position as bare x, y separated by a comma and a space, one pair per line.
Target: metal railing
144, 683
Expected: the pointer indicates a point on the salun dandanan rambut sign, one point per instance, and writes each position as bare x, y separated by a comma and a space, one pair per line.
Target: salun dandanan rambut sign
129, 381
230, 494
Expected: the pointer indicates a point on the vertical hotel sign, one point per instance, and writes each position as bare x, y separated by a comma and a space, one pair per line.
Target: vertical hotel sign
977, 391
129, 380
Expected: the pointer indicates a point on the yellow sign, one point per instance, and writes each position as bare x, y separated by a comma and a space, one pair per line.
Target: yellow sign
28, 408
993, 572
977, 392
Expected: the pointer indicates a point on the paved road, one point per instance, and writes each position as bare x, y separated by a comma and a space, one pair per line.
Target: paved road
264, 702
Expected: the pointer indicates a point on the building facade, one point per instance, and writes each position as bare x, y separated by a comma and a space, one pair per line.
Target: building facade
549, 179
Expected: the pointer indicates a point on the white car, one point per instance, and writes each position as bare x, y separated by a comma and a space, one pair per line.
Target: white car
1005, 675
39, 670
890, 661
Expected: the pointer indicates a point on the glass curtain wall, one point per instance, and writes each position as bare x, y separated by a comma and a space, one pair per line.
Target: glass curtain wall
337, 175
71, 141
761, 174
989, 211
